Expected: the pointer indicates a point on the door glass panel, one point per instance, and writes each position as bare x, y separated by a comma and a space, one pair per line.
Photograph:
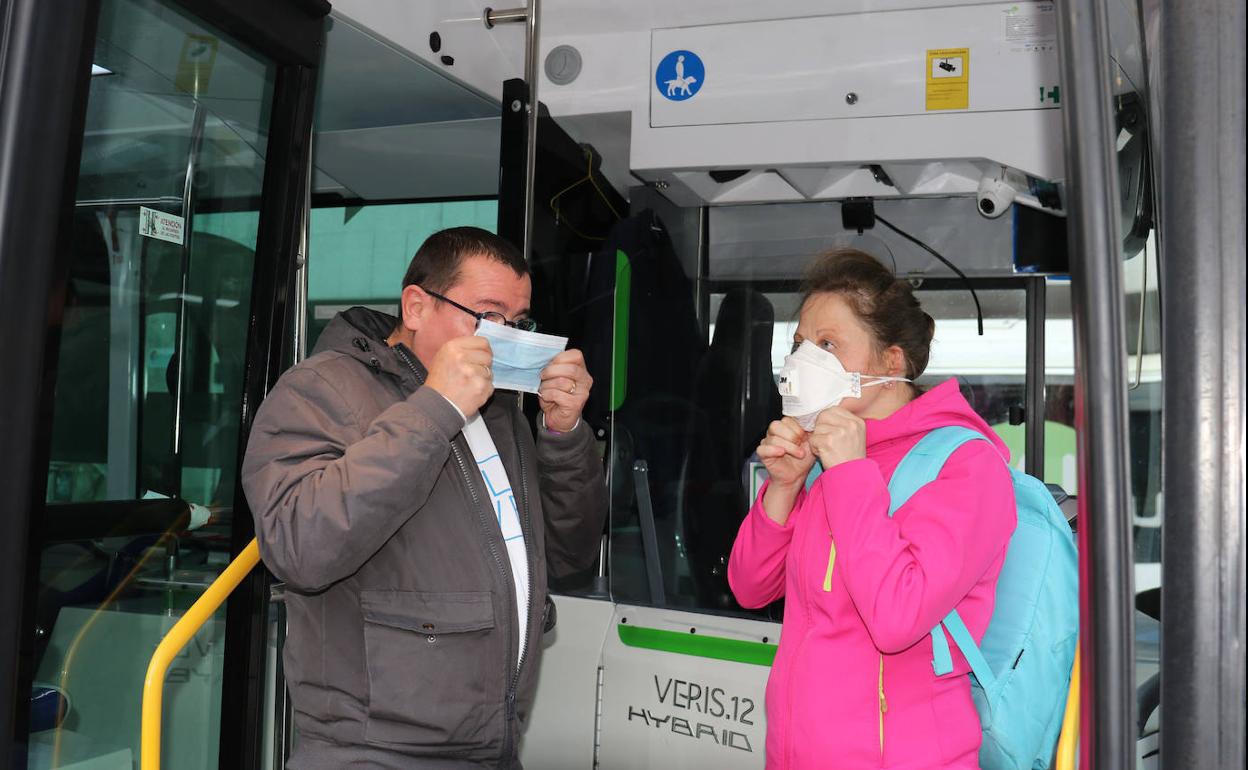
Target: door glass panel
1144, 437
1059, 389
685, 370
1144, 429
148, 393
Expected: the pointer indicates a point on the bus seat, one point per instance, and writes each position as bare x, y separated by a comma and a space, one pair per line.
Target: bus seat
737, 398
1070, 509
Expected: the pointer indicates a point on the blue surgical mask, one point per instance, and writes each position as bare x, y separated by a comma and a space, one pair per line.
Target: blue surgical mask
519, 356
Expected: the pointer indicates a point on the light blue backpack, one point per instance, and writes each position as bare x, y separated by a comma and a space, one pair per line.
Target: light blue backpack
1021, 671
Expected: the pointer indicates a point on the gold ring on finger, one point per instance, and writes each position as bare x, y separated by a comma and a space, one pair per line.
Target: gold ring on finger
573, 390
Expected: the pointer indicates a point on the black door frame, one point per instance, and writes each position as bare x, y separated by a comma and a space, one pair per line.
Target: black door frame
43, 100
45, 57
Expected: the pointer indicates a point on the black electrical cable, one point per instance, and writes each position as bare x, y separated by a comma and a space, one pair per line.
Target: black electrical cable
979, 313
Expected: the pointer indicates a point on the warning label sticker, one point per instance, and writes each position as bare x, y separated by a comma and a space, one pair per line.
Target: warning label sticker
948, 79
1030, 27
161, 226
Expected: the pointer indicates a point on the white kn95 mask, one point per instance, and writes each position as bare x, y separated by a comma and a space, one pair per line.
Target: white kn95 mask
813, 379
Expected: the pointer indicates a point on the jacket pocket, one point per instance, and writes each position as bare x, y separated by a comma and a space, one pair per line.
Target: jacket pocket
435, 669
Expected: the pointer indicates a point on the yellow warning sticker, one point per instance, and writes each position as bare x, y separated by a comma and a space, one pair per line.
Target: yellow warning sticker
948, 78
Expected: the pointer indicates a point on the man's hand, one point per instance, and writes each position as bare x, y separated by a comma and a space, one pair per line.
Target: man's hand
839, 437
461, 373
564, 390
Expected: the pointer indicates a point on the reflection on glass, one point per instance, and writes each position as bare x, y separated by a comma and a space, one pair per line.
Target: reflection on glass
149, 388
709, 402
358, 255
1144, 436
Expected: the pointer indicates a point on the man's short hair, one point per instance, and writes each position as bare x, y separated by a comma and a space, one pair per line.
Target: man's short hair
437, 262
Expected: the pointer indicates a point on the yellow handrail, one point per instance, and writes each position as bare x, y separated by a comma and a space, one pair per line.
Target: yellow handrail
175, 640
1069, 739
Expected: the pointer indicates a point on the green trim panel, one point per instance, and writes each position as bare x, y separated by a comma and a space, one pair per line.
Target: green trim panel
623, 303
717, 647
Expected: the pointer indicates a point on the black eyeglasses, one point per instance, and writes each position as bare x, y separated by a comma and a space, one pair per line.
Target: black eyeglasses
523, 324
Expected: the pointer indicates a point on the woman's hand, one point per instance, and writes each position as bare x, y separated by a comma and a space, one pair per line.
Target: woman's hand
786, 453
787, 456
839, 437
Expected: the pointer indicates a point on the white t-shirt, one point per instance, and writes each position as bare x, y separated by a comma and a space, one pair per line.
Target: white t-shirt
503, 501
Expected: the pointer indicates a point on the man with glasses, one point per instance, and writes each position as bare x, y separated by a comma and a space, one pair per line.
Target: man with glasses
415, 518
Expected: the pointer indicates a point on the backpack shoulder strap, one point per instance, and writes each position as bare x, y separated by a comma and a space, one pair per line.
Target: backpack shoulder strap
923, 462
921, 465
966, 643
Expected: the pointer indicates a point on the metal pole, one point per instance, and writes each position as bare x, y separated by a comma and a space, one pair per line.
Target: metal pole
531, 16
300, 325
1097, 304
510, 16
1034, 410
530, 160
188, 211
649, 534
1201, 63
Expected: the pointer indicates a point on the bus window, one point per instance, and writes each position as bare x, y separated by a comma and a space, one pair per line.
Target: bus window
991, 369
685, 385
1144, 426
358, 254
148, 395
1144, 405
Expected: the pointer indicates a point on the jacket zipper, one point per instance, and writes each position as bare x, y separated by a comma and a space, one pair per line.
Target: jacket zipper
529, 548
883, 708
827, 577
510, 697
803, 600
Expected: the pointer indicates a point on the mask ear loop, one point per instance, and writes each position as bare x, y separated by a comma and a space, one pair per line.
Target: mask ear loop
880, 379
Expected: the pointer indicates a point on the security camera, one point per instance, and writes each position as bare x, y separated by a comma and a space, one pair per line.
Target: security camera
994, 197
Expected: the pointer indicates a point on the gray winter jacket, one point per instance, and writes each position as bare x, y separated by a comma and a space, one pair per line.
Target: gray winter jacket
402, 619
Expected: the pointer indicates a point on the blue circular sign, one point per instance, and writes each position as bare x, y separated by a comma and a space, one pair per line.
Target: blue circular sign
680, 75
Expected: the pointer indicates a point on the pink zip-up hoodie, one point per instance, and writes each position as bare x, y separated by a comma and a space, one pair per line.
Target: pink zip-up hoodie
852, 685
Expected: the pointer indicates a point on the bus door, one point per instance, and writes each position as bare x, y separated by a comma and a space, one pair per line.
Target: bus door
165, 317
677, 270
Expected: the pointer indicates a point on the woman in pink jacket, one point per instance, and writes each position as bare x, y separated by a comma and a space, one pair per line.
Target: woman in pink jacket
852, 685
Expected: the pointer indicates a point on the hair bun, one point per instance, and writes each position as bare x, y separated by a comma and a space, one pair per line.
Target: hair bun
884, 302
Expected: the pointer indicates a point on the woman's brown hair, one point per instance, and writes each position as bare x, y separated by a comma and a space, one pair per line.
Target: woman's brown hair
883, 302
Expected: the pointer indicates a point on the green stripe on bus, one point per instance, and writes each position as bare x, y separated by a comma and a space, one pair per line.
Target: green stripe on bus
623, 301
698, 645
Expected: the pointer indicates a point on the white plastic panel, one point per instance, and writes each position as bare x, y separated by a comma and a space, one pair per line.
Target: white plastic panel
560, 731
366, 82
671, 710
421, 160
777, 107
860, 65
483, 58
